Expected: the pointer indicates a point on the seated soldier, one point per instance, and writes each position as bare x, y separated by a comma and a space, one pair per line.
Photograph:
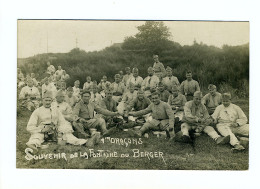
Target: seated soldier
35, 82
196, 117
30, 96
212, 99
135, 79
59, 71
129, 95
177, 102
50, 69
87, 85
118, 88
66, 111
64, 76
162, 117
84, 114
127, 75
47, 120
95, 96
103, 84
169, 80
76, 89
151, 81
163, 93
139, 103
231, 121
70, 98
189, 86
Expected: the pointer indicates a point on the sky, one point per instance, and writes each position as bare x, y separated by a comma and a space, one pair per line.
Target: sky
60, 36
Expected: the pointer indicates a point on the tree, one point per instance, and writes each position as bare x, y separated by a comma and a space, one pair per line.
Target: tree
153, 37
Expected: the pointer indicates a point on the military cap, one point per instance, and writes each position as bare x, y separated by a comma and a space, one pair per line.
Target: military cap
226, 96
150, 68
211, 87
69, 89
47, 94
135, 69
175, 88
197, 94
60, 93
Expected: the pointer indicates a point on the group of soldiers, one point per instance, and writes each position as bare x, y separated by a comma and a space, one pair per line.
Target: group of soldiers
129, 104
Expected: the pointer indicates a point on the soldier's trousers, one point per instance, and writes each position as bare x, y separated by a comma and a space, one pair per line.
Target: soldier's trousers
225, 129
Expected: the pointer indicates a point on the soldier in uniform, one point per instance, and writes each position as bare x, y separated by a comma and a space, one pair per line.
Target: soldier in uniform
212, 99
162, 117
231, 121
118, 88
136, 79
169, 80
150, 82
189, 86
196, 117
163, 93
158, 67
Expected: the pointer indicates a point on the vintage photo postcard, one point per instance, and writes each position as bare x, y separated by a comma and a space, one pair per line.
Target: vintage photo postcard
110, 94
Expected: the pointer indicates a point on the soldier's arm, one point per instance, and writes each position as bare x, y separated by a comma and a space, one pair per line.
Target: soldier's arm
103, 111
242, 119
142, 112
75, 112
32, 126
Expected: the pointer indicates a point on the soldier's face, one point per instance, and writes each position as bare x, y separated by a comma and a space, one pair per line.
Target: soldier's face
70, 93
150, 72
117, 79
155, 99
140, 96
132, 89
213, 91
60, 98
30, 83
197, 100
88, 79
189, 76
226, 102
169, 73
156, 59
109, 95
86, 98
76, 85
63, 86
127, 71
47, 102
175, 93
135, 73
59, 67
94, 89
104, 79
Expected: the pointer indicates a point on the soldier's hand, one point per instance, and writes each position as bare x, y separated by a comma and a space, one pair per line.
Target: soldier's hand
46, 128
81, 120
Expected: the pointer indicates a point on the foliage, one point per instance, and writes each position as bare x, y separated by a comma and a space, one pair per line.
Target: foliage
209, 64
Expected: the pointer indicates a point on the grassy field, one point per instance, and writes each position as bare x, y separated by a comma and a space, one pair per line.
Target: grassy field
205, 155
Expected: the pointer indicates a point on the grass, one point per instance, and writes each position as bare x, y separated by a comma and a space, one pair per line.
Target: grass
206, 155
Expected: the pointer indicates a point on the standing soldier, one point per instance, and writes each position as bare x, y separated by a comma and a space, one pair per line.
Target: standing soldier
150, 82
189, 86
231, 121
212, 99
158, 67
170, 80
196, 117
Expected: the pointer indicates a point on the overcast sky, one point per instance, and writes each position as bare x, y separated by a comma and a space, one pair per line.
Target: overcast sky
96, 35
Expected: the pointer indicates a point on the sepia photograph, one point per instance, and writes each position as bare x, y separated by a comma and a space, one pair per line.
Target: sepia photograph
132, 94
